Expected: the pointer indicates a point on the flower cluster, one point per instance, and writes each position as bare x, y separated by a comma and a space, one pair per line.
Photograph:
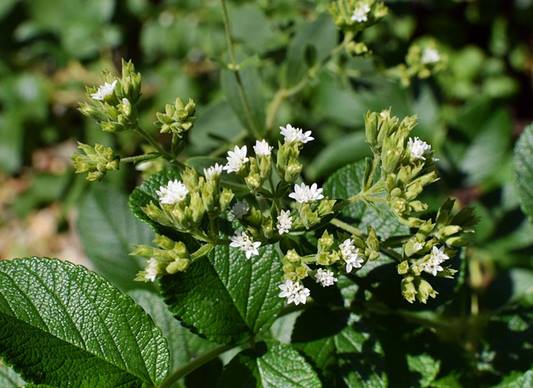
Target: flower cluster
178, 118
96, 161
423, 59
112, 104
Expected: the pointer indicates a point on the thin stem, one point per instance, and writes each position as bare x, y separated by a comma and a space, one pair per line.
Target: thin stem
146, 136
344, 226
194, 364
234, 67
139, 158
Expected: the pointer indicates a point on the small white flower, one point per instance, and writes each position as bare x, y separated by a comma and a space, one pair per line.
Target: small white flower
360, 14
303, 193
430, 55
294, 292
436, 258
213, 171
240, 209
284, 223
350, 254
104, 90
243, 242
143, 166
292, 134
236, 159
325, 277
417, 148
152, 270
174, 192
262, 148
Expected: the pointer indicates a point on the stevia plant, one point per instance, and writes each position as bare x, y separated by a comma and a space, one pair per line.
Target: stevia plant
241, 242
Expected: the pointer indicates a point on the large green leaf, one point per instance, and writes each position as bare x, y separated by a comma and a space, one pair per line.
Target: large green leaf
247, 102
278, 365
343, 347
108, 232
347, 182
63, 325
183, 345
225, 296
312, 43
523, 160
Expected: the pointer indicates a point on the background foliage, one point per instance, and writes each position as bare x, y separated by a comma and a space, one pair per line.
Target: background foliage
473, 113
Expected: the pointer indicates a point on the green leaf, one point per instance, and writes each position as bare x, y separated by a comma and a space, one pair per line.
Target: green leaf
347, 182
278, 365
9, 378
424, 365
61, 324
489, 150
108, 233
347, 149
517, 380
225, 296
249, 106
318, 36
523, 163
343, 347
184, 346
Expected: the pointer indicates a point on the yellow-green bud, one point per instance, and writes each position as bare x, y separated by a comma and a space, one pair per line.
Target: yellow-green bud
425, 291
225, 198
292, 256
302, 272
403, 267
325, 242
408, 289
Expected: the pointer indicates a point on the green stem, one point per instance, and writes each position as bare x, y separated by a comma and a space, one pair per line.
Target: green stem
234, 67
194, 364
139, 158
344, 226
146, 136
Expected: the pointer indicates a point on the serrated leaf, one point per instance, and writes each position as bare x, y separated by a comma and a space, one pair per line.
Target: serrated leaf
108, 232
523, 162
63, 325
226, 297
279, 365
517, 380
183, 345
347, 182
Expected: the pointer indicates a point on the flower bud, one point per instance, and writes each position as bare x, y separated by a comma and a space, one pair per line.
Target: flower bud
226, 196
425, 291
403, 267
292, 256
96, 161
408, 289
178, 265
325, 242
294, 168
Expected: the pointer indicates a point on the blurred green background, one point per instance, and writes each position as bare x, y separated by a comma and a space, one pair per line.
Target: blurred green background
473, 112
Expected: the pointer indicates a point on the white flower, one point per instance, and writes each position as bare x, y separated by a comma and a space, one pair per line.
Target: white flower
151, 271
240, 209
294, 292
360, 14
236, 159
303, 193
213, 171
325, 277
104, 90
284, 223
417, 148
436, 258
292, 134
350, 255
262, 148
430, 55
174, 192
241, 241
143, 166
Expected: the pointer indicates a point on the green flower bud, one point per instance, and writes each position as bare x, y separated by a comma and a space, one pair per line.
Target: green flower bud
163, 242
412, 246
177, 119
455, 241
322, 258
288, 268
408, 289
292, 256
178, 265
450, 230
302, 272
325, 242
425, 291
208, 191
294, 168
197, 207
253, 181
403, 267
142, 250
325, 207
190, 179
130, 83
226, 196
